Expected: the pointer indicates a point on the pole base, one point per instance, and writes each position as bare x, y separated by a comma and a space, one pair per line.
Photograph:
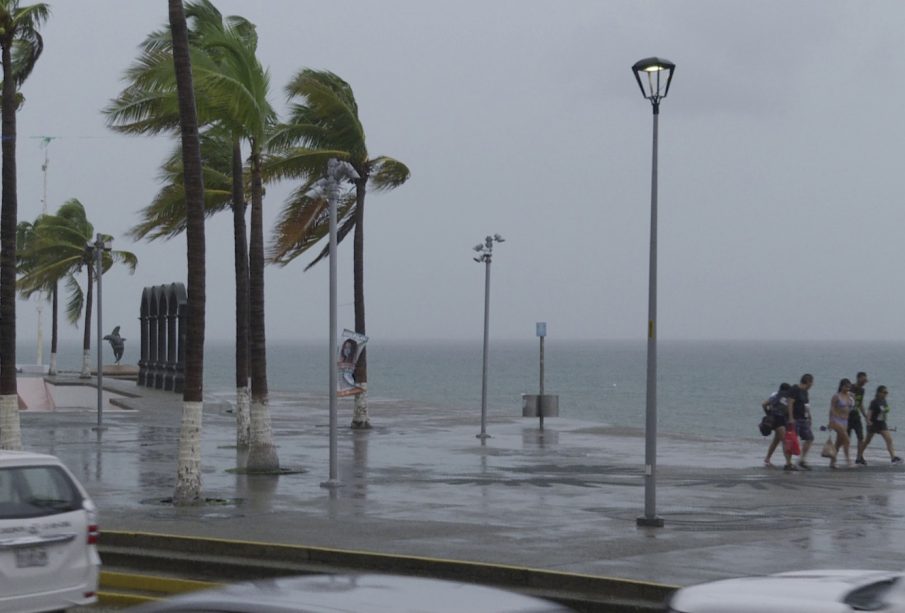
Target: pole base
331, 484
649, 522
483, 436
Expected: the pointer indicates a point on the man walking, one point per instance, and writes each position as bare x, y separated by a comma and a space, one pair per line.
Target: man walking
854, 417
800, 415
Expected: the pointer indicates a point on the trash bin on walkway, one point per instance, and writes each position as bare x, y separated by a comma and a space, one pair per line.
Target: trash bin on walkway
549, 404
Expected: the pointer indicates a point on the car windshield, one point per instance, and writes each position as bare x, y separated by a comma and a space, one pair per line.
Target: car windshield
35, 491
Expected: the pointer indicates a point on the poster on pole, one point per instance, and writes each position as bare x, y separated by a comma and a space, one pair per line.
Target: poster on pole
350, 348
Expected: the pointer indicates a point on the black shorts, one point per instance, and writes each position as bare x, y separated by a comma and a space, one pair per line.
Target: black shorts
779, 419
803, 428
877, 427
854, 423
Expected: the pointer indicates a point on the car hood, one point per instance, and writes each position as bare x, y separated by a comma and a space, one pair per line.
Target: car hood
815, 591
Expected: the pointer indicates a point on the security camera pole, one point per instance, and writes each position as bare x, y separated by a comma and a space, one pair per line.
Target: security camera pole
100, 246
486, 251
336, 172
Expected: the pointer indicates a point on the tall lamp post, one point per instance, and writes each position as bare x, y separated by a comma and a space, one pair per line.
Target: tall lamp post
99, 246
654, 76
485, 250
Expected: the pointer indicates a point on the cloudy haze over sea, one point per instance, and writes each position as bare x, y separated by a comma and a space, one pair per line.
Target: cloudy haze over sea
780, 163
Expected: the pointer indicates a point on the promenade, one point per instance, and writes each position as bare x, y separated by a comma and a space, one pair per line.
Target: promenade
420, 483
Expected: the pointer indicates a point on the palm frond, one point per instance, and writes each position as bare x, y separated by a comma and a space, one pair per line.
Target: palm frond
299, 163
387, 173
346, 226
76, 301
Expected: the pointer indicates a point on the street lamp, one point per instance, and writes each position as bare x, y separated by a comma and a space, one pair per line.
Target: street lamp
654, 76
336, 172
485, 250
99, 246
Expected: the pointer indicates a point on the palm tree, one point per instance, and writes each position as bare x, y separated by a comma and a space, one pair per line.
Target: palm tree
55, 252
188, 472
20, 48
25, 235
165, 218
325, 124
226, 69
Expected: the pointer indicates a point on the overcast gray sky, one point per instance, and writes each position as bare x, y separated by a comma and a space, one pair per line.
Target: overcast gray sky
781, 165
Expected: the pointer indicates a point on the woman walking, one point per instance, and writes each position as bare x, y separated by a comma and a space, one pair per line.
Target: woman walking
841, 405
876, 423
777, 406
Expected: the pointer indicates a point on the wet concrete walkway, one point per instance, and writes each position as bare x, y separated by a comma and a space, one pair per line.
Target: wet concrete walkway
420, 483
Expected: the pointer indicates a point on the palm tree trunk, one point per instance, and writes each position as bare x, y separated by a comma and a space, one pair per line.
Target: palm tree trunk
54, 335
188, 472
360, 412
86, 338
243, 425
262, 455
10, 432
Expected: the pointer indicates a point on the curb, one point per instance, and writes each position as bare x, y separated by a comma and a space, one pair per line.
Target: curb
246, 560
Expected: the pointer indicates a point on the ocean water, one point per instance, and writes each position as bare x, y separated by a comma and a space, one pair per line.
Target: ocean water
710, 388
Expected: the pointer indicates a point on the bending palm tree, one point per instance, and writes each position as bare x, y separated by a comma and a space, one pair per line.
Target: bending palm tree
25, 236
188, 472
325, 124
56, 252
20, 48
235, 86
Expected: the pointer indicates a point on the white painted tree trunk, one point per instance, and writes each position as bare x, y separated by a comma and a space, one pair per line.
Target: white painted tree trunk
10, 431
52, 369
188, 470
360, 412
86, 365
262, 455
243, 419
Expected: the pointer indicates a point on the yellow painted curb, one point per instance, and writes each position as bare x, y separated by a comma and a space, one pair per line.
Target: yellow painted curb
152, 583
115, 599
391, 556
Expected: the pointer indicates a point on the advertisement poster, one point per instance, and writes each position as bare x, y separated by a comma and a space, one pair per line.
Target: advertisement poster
350, 348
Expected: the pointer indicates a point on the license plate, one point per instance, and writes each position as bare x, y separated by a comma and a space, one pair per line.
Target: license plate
31, 556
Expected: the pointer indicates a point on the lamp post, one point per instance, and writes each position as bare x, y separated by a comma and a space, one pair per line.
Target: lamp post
654, 76
485, 250
99, 246
336, 172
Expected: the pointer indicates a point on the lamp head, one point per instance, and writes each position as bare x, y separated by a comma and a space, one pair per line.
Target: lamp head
499, 238
654, 76
478, 247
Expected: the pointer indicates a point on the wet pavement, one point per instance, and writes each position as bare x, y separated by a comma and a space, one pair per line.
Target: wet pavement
420, 483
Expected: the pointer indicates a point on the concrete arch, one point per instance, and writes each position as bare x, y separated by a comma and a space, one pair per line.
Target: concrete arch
162, 315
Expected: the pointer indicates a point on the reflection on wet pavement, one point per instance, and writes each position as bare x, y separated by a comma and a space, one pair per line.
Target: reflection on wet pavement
420, 483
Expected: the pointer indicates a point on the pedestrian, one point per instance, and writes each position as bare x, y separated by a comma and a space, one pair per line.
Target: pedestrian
854, 417
777, 407
876, 422
800, 417
841, 405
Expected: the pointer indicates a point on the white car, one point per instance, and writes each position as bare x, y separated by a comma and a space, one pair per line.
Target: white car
354, 594
813, 591
48, 536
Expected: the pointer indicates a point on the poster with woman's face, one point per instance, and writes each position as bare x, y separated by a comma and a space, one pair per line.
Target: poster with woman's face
351, 345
